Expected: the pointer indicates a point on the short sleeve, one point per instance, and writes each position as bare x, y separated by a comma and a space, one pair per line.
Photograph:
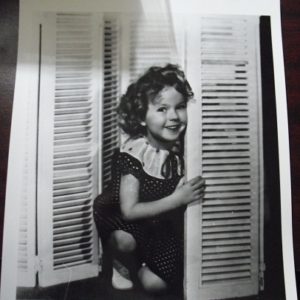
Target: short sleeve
125, 164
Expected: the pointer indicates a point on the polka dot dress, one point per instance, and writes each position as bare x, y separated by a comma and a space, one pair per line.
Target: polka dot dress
160, 239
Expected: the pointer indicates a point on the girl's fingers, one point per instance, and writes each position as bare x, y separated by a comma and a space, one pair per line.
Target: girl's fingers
200, 193
197, 181
200, 196
199, 185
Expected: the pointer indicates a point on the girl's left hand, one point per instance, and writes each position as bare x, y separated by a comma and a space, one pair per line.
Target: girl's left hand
190, 191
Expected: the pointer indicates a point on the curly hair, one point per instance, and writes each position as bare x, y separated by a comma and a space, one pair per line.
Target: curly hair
134, 103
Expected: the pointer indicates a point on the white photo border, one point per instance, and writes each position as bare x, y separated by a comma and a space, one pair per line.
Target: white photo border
223, 7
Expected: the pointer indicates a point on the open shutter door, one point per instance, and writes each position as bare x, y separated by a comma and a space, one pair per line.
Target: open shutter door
111, 93
68, 140
148, 41
223, 261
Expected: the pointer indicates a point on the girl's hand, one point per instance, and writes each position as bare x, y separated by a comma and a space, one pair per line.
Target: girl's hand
190, 191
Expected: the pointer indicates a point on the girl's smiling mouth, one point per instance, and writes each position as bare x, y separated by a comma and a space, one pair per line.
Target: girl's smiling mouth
174, 127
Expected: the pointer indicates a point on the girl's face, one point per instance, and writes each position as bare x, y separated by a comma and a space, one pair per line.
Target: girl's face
166, 118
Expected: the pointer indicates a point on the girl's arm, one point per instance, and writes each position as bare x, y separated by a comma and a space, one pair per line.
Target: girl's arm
132, 209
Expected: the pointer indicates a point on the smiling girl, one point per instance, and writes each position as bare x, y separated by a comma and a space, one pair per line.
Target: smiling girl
140, 217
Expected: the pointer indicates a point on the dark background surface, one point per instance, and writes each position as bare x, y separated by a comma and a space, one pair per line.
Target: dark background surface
291, 42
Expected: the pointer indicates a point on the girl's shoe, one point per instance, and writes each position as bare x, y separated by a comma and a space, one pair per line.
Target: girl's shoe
120, 277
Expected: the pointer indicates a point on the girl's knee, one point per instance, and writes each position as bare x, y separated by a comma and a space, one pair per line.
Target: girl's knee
122, 241
151, 282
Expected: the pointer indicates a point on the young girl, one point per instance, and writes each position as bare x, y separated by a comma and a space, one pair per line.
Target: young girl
140, 217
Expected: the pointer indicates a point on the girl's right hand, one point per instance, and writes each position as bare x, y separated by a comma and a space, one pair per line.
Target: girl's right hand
190, 191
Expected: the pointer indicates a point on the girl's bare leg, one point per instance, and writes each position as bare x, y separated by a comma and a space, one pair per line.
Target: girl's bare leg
122, 246
151, 282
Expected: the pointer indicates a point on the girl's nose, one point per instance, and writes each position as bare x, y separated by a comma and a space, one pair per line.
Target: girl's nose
173, 115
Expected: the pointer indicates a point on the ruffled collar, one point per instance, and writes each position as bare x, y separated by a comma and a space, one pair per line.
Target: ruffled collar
159, 163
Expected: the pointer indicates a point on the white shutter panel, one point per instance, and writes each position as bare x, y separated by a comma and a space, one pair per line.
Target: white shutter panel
149, 41
68, 137
111, 93
228, 131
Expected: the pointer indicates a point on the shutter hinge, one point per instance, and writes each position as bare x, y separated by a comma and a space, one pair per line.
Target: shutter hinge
262, 269
38, 265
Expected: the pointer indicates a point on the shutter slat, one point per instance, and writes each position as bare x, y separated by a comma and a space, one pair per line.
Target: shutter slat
226, 250
214, 120
221, 146
223, 154
223, 113
227, 201
226, 242
72, 247
226, 228
71, 253
231, 167
225, 207
227, 181
225, 222
227, 215
67, 234
229, 276
72, 184
227, 194
78, 202
71, 154
72, 241
225, 268
225, 133
64, 223
76, 190
226, 236
71, 216
227, 255
72, 228
227, 174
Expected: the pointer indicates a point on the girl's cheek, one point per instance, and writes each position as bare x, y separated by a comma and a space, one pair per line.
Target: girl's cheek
184, 116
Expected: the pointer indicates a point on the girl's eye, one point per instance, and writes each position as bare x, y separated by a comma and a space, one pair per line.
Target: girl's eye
181, 106
162, 109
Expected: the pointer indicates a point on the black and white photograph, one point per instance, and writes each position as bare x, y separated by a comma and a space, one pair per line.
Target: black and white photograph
146, 153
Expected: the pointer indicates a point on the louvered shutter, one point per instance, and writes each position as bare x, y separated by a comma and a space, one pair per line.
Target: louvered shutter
111, 92
148, 41
68, 143
224, 147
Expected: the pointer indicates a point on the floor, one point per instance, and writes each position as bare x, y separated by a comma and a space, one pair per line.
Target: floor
92, 289
96, 289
